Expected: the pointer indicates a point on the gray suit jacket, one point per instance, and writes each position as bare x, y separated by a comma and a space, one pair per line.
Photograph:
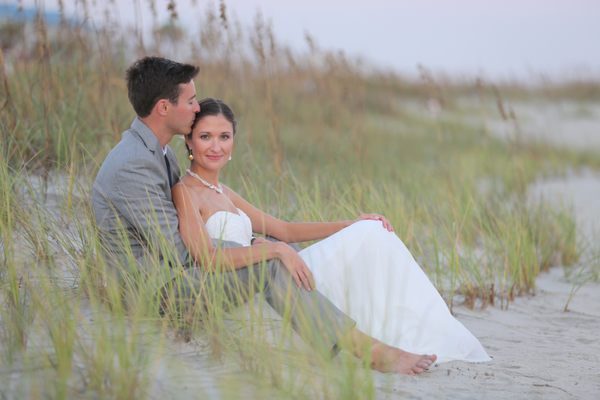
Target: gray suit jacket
132, 203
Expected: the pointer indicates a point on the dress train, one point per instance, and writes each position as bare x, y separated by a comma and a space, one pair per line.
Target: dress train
369, 274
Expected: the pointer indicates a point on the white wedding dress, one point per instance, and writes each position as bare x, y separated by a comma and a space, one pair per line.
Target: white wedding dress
370, 275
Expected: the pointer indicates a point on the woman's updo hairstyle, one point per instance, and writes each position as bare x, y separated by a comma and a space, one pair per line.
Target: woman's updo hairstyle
210, 106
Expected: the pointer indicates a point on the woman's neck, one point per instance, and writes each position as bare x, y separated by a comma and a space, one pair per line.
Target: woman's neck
209, 176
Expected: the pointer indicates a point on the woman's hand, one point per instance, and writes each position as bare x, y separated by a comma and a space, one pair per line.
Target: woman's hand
259, 240
295, 265
377, 217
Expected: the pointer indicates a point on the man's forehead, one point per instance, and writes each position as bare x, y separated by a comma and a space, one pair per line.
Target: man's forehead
189, 86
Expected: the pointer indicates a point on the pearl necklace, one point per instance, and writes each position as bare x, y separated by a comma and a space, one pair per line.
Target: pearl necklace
209, 185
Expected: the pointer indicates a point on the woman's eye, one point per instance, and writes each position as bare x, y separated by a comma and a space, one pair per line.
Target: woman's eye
203, 137
225, 136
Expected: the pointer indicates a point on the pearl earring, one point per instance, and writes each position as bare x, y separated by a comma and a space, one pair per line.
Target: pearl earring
190, 156
229, 157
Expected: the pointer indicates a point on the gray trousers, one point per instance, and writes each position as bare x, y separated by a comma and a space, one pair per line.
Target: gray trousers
311, 314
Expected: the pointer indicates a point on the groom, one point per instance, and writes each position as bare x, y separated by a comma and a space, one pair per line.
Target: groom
137, 221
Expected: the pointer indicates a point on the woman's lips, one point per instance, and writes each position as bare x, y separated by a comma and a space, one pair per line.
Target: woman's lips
214, 157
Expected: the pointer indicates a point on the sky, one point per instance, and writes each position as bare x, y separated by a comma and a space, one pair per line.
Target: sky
494, 38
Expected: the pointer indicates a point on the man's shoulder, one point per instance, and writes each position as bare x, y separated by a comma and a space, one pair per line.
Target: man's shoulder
129, 146
130, 150
130, 154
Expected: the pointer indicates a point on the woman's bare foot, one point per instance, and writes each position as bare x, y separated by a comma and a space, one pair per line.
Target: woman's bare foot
385, 358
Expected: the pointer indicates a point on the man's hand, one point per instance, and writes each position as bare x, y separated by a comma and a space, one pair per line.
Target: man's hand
377, 217
295, 265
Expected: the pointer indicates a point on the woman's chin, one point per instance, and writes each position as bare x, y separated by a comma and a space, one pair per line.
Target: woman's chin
212, 166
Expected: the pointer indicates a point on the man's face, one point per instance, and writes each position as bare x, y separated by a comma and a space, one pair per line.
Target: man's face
181, 115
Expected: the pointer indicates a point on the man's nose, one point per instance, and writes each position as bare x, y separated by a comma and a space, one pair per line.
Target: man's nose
197, 106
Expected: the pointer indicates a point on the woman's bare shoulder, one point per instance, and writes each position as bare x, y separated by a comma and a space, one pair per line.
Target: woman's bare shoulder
188, 189
191, 186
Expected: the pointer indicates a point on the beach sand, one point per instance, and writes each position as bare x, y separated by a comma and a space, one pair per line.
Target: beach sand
539, 351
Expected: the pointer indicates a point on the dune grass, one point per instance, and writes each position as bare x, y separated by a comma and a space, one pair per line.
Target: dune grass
321, 138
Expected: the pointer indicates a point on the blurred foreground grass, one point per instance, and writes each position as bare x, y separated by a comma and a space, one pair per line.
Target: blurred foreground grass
321, 137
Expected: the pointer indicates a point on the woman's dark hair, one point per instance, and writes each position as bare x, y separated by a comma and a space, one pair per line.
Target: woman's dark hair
210, 106
151, 79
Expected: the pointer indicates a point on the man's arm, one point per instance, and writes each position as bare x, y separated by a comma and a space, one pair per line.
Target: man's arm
141, 198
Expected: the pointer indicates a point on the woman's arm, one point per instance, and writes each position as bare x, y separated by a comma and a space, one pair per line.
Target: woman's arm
291, 232
196, 239
199, 244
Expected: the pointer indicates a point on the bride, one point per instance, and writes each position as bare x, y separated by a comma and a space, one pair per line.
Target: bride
361, 266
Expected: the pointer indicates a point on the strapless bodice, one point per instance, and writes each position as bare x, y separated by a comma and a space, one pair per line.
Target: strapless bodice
227, 225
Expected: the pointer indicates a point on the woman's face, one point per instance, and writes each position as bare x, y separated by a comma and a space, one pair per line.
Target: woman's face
211, 142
